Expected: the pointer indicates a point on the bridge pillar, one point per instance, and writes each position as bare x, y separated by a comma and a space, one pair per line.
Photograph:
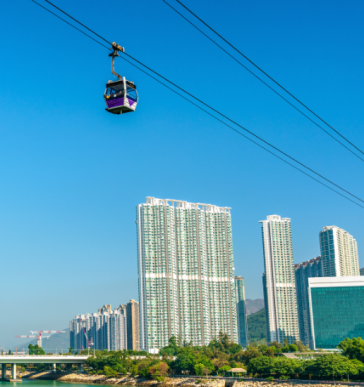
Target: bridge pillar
13, 371
54, 367
69, 367
80, 368
3, 373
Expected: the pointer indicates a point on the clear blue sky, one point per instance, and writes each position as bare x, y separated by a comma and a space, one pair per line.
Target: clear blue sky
72, 174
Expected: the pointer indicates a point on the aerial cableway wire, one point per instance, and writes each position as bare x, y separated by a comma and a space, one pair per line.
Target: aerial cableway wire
267, 75
265, 83
72, 25
237, 131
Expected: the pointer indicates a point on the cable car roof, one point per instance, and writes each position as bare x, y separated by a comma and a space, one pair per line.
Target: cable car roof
117, 83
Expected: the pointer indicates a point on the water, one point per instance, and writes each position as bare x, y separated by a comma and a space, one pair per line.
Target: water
44, 383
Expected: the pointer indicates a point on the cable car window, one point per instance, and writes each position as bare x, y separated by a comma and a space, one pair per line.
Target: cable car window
132, 94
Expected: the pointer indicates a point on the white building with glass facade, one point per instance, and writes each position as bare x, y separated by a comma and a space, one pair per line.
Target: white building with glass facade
186, 272
339, 253
279, 280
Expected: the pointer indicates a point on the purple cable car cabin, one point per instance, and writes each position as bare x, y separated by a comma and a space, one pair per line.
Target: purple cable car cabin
120, 96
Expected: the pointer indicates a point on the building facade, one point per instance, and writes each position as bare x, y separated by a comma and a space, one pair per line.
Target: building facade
106, 329
133, 327
279, 283
337, 310
362, 271
304, 271
186, 272
339, 253
241, 311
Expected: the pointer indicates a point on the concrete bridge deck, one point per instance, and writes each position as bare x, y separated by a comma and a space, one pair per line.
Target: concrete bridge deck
13, 360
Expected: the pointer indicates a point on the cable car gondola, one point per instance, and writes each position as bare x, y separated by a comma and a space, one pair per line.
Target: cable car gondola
120, 96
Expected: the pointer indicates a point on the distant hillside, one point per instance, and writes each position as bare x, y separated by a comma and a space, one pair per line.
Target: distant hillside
253, 306
257, 326
57, 342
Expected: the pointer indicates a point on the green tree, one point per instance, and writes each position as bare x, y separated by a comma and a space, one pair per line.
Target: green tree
199, 368
261, 365
158, 370
35, 350
335, 365
284, 366
171, 349
353, 348
224, 369
300, 346
134, 370
109, 372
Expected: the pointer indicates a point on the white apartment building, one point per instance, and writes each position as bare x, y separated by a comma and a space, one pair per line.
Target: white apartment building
339, 253
106, 329
279, 280
186, 272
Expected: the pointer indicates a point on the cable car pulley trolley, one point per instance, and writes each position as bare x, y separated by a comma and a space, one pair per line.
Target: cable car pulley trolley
120, 96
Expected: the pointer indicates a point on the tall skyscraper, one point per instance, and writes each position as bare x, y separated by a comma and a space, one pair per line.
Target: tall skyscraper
132, 316
241, 311
339, 253
304, 271
186, 272
279, 280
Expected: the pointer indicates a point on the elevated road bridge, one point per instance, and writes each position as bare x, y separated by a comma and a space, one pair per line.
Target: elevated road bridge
13, 360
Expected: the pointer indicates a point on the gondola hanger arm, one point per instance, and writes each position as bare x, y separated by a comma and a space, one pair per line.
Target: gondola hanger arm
116, 47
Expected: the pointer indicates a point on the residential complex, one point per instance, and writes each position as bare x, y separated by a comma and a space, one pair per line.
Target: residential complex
108, 329
186, 272
339, 253
279, 280
132, 317
337, 309
241, 311
103, 330
304, 271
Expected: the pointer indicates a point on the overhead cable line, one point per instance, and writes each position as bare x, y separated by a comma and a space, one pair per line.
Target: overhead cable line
72, 25
271, 78
216, 111
241, 134
265, 83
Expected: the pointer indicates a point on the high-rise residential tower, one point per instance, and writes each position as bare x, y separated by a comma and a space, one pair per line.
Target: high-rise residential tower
279, 280
304, 271
132, 317
186, 272
241, 311
339, 253
103, 330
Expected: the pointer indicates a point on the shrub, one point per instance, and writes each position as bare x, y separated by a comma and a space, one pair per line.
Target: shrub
270, 378
284, 377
